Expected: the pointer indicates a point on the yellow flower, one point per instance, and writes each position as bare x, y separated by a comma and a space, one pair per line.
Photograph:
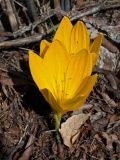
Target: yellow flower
63, 69
74, 39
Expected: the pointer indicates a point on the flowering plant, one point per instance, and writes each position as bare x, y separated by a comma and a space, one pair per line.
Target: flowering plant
62, 70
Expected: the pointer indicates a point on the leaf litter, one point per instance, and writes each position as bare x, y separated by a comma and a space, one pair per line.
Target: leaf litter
26, 124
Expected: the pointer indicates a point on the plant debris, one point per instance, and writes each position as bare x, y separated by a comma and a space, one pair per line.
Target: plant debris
70, 129
26, 123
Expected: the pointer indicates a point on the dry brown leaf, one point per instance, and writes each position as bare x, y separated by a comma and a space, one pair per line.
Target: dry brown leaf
70, 129
107, 60
108, 100
109, 141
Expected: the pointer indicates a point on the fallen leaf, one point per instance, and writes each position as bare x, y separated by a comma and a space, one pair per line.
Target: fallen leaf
108, 100
110, 46
70, 129
107, 60
109, 141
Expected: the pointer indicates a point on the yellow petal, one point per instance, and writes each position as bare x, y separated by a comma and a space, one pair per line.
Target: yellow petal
79, 38
56, 58
51, 100
56, 61
80, 66
63, 32
44, 45
81, 95
39, 72
86, 85
95, 47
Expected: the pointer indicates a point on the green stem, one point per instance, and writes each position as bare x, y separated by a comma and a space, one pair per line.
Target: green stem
57, 117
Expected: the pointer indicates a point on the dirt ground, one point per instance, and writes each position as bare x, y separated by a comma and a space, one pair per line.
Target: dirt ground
26, 122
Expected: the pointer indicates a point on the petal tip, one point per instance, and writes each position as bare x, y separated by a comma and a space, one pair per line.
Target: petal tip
30, 51
100, 35
66, 18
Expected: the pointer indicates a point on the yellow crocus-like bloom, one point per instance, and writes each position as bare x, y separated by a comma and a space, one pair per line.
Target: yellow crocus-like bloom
63, 69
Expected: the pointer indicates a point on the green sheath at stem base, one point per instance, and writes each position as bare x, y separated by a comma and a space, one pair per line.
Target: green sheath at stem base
57, 117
